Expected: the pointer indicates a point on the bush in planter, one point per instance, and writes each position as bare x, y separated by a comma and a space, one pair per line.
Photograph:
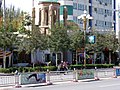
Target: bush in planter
12, 69
50, 68
76, 66
4, 70
91, 66
107, 65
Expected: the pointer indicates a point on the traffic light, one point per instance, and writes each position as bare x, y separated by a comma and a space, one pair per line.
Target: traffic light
91, 39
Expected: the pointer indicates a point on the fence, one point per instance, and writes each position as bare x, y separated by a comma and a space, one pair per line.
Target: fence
7, 80
55, 76
104, 73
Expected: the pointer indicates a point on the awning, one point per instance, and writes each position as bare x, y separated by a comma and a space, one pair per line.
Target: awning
7, 53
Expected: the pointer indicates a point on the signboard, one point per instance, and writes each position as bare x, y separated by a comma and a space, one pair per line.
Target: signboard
85, 74
117, 71
91, 39
32, 78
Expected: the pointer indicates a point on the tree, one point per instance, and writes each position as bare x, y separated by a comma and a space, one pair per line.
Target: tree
77, 41
58, 40
13, 18
32, 39
11, 24
106, 40
8, 42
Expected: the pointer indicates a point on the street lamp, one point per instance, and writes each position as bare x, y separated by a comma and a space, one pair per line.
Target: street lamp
85, 17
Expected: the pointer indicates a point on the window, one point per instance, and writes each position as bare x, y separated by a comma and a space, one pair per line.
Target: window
74, 5
95, 9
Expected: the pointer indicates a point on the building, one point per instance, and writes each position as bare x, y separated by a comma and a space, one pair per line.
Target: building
103, 12
45, 15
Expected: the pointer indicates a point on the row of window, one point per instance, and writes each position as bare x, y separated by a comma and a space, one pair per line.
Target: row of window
105, 1
103, 11
98, 22
81, 7
103, 23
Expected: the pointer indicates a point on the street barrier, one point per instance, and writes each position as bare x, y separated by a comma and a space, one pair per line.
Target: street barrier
106, 73
17, 81
48, 82
96, 74
85, 74
33, 78
6, 80
61, 76
114, 75
75, 76
117, 71
50, 77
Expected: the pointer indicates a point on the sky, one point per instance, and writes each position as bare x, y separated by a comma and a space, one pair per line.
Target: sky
25, 5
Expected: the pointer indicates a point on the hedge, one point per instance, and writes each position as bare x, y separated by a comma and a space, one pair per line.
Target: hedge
91, 66
27, 69
52, 68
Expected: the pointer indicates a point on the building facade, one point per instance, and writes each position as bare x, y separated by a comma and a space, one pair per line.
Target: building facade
48, 12
103, 12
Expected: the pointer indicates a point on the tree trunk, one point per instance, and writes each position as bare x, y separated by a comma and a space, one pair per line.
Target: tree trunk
56, 60
109, 57
94, 57
76, 57
4, 59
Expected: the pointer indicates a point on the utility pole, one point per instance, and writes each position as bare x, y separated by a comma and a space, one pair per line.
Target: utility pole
85, 17
33, 27
65, 15
4, 26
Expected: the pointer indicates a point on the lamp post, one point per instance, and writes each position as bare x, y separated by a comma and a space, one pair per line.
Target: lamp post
85, 17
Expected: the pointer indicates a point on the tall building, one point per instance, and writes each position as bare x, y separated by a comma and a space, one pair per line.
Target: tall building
103, 12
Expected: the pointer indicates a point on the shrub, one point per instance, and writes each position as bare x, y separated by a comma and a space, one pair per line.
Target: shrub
91, 66
51, 68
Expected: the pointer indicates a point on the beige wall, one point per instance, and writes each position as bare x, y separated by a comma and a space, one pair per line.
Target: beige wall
48, 15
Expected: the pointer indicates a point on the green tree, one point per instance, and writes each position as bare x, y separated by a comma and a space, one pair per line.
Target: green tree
58, 40
77, 41
11, 24
8, 42
104, 40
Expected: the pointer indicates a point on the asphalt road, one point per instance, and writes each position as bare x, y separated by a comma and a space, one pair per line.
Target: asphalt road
104, 84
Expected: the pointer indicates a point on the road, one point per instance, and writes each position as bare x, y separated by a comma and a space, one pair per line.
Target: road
103, 84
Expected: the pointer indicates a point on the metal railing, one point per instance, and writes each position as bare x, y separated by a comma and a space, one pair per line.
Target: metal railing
57, 76
7, 80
